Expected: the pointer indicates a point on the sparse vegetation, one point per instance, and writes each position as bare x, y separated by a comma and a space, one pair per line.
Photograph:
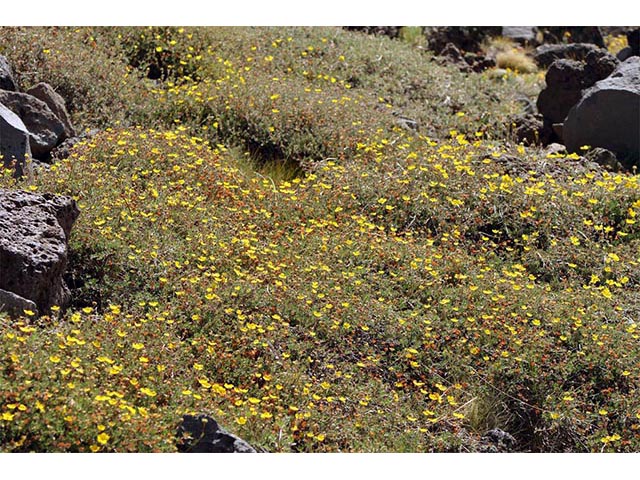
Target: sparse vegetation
508, 54
260, 240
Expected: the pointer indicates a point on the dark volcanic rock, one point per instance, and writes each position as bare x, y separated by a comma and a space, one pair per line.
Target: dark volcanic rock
14, 141
564, 86
546, 54
608, 115
467, 39
34, 231
43, 91
45, 129
202, 434
566, 79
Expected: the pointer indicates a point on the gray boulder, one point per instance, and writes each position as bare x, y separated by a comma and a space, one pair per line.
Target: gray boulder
43, 91
202, 434
524, 35
6, 75
15, 305
608, 115
14, 142
34, 233
45, 129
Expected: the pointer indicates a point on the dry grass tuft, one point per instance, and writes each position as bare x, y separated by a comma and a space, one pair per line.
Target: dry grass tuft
516, 60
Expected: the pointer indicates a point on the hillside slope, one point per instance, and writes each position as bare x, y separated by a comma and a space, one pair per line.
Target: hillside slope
261, 240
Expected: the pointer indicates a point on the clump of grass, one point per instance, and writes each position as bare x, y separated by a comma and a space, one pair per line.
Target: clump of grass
509, 55
516, 60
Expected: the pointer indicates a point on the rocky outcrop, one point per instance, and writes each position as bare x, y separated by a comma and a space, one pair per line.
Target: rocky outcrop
34, 233
14, 142
565, 81
42, 111
608, 115
466, 39
45, 129
6, 75
43, 91
202, 434
546, 54
563, 87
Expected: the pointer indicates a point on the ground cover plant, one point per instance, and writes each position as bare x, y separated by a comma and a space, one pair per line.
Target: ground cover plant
261, 240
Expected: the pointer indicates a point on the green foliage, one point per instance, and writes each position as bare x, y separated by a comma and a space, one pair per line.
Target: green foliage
412, 35
269, 247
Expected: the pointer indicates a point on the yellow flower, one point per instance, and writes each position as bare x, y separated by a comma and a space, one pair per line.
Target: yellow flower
148, 392
7, 416
103, 438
